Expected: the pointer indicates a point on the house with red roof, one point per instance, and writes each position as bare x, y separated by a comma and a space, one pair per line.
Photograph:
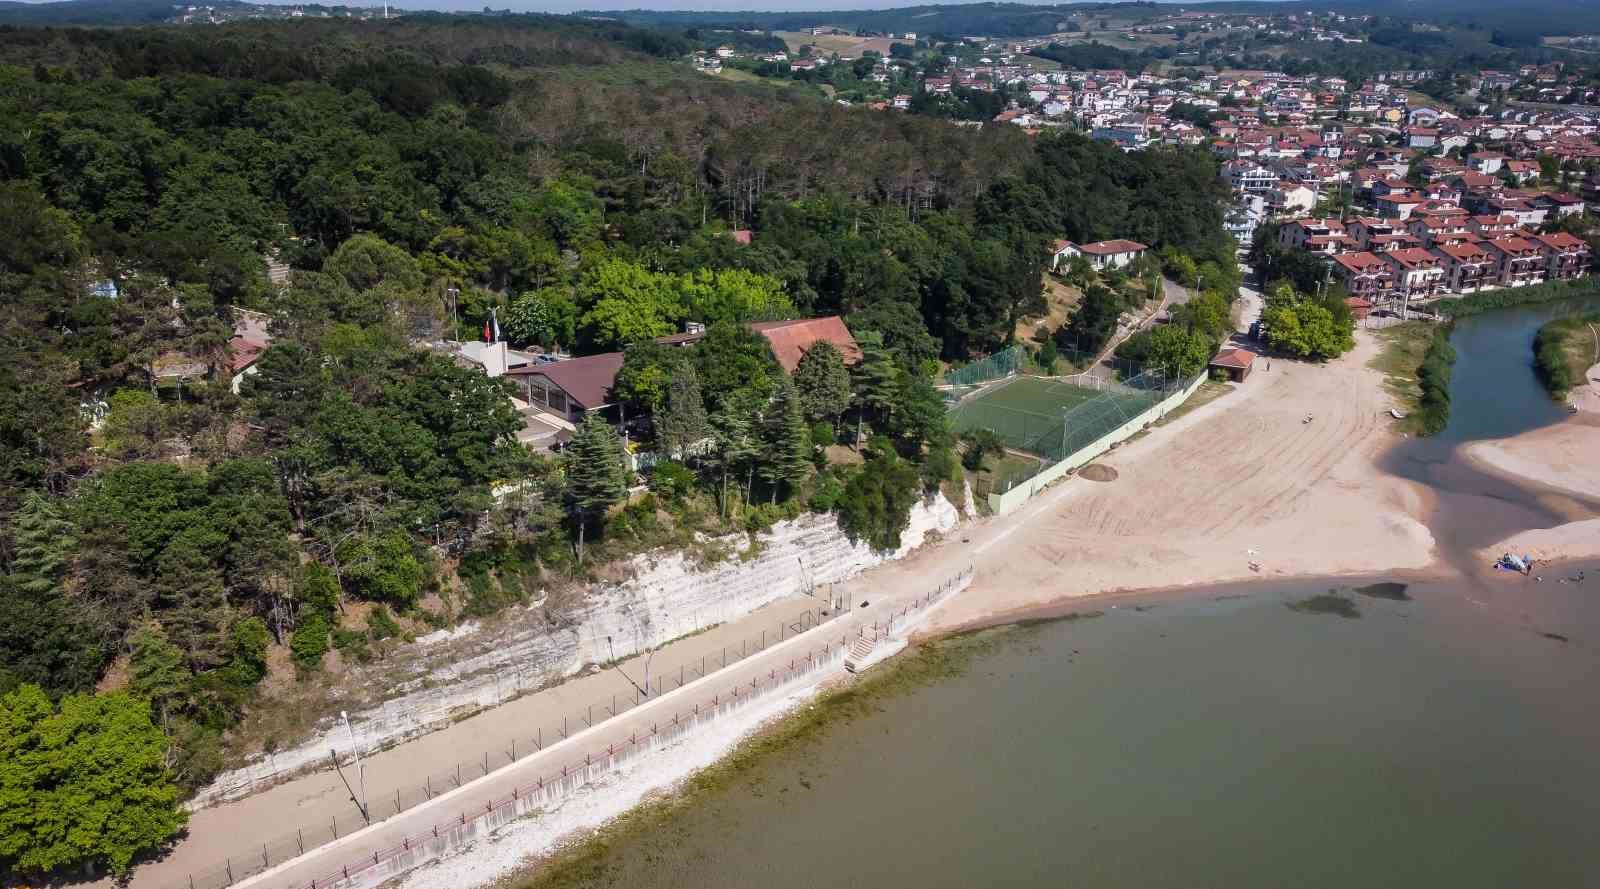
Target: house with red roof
1468, 266
1518, 261
1417, 272
1566, 255
1113, 254
1363, 274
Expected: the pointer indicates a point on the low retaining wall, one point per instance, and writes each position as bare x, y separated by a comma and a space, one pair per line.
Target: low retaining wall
1001, 504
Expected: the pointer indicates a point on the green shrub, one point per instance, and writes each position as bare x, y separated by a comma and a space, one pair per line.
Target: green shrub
352, 644
310, 641
381, 626
1433, 376
671, 480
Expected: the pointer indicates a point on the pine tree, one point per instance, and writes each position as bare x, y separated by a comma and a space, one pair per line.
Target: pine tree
596, 477
196, 613
823, 382
44, 545
157, 669
733, 428
877, 378
785, 441
684, 423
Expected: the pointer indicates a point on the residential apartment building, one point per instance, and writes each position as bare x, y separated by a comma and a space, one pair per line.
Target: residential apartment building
1566, 255
1418, 273
1518, 261
1468, 266
1364, 274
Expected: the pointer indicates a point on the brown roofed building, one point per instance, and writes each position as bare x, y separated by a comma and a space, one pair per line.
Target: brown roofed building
1417, 273
1363, 274
1113, 254
569, 389
791, 340
1236, 363
1518, 261
1566, 255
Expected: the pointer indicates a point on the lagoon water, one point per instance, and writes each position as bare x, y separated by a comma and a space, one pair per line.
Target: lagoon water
1447, 739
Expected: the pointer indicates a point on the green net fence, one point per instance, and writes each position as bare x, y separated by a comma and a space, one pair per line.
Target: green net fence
1054, 418
1001, 364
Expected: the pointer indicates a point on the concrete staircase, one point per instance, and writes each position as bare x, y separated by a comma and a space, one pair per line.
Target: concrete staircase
860, 653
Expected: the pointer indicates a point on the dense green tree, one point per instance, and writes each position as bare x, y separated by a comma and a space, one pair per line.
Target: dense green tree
785, 440
43, 544
46, 639
876, 504
645, 378
730, 359
733, 295
877, 383
1094, 321
1178, 351
624, 303
83, 782
546, 317
596, 476
683, 424
310, 641
823, 382
157, 670
383, 568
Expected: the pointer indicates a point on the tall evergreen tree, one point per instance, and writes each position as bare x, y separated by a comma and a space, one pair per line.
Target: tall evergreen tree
157, 671
785, 441
44, 544
684, 422
823, 382
877, 377
596, 476
733, 428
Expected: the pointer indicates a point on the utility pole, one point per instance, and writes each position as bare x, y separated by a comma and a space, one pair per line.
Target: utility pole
451, 293
361, 770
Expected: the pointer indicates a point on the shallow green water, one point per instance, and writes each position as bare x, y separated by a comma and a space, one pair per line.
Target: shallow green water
1236, 743
1493, 392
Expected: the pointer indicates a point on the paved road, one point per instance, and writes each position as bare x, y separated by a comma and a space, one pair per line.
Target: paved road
1172, 294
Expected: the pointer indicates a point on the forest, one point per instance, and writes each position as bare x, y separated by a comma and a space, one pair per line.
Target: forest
170, 542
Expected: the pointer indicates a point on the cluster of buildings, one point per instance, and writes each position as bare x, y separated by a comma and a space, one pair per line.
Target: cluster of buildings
1447, 250
1403, 198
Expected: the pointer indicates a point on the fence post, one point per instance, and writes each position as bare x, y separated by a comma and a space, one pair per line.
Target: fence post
265, 861
397, 801
486, 762
229, 866
539, 738
335, 821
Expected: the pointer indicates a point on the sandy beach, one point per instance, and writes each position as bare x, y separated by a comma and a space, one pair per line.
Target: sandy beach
1244, 479
1564, 458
